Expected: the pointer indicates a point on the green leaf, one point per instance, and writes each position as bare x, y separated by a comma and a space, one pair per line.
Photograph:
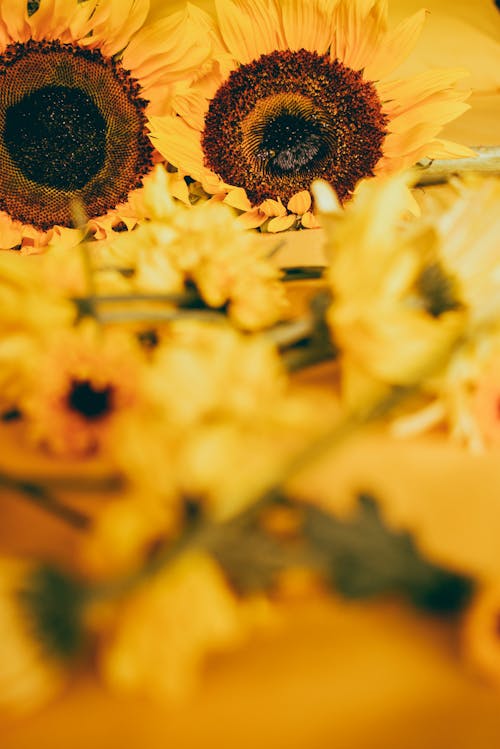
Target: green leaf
362, 557
53, 602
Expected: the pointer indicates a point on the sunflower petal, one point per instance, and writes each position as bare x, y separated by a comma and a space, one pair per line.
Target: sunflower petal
308, 25
447, 149
396, 46
14, 15
250, 28
175, 46
179, 144
402, 95
65, 20
359, 26
114, 23
281, 223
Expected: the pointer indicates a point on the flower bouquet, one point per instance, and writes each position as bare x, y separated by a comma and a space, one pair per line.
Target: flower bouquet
249, 368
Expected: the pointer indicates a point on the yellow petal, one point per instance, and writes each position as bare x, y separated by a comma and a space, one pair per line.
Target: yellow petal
273, 208
250, 28
360, 26
54, 17
300, 202
114, 23
401, 95
176, 45
447, 149
308, 25
309, 221
191, 106
396, 46
281, 223
237, 198
253, 219
14, 15
179, 144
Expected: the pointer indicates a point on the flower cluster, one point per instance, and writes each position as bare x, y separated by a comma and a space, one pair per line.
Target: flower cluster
149, 337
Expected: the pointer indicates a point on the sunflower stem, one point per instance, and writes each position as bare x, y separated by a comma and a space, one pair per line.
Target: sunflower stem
439, 171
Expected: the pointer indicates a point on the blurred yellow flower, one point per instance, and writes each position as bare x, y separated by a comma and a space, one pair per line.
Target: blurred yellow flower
394, 313
81, 384
204, 245
165, 630
29, 673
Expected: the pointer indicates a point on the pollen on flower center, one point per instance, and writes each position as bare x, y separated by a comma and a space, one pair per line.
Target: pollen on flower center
91, 402
288, 118
290, 143
72, 128
57, 137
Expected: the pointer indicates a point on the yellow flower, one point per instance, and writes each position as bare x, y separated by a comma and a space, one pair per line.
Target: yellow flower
29, 675
303, 94
225, 420
467, 234
79, 80
463, 236
82, 383
394, 314
28, 311
204, 245
165, 630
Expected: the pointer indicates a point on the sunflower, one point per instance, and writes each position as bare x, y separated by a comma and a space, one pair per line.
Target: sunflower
302, 94
78, 79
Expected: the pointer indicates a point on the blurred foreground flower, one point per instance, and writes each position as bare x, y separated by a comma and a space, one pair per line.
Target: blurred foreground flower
409, 292
35, 640
161, 634
205, 251
301, 93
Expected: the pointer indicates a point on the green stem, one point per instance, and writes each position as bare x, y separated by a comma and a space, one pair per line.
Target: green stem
42, 497
182, 298
303, 273
157, 318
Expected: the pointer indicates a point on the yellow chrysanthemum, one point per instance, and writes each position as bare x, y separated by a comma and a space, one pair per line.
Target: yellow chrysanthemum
205, 246
81, 383
79, 79
303, 94
461, 241
394, 316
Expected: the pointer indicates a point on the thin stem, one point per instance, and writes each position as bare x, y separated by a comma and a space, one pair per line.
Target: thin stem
303, 273
161, 317
287, 334
42, 497
177, 298
442, 170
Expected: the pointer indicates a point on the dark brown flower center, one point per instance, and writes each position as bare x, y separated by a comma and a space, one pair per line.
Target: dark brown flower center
89, 401
288, 118
72, 128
